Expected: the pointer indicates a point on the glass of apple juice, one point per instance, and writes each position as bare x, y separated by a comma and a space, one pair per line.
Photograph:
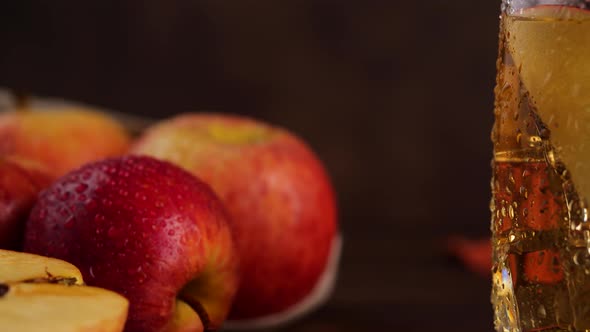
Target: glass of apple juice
541, 168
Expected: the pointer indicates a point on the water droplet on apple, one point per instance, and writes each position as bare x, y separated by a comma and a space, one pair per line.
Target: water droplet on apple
80, 188
159, 204
133, 270
112, 232
69, 223
91, 272
63, 212
91, 205
171, 232
184, 238
64, 196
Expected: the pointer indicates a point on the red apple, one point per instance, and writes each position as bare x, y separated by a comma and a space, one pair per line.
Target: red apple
145, 229
61, 138
281, 203
20, 181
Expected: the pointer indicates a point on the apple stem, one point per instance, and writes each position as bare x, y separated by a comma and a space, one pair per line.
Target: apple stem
4, 288
200, 310
22, 100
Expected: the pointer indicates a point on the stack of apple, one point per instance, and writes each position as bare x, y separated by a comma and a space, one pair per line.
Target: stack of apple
203, 221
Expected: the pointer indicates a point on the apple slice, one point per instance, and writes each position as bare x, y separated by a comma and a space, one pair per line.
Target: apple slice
19, 267
30, 307
550, 45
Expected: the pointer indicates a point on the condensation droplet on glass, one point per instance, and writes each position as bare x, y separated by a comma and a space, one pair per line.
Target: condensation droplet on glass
512, 237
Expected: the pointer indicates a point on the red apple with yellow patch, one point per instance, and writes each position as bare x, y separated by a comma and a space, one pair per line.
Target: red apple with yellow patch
61, 138
281, 203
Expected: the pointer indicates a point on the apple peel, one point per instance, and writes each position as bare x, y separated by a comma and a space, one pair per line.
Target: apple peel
318, 296
24, 267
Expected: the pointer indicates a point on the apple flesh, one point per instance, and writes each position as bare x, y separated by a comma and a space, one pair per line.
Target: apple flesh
20, 182
30, 307
145, 229
45, 294
281, 203
61, 138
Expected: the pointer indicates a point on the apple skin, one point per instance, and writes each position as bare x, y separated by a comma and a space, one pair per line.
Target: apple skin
61, 138
279, 197
143, 228
20, 182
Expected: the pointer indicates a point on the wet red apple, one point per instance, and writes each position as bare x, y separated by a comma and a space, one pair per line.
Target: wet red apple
147, 230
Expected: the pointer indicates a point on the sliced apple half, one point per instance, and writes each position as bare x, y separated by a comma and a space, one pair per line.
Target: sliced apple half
550, 46
31, 307
22, 267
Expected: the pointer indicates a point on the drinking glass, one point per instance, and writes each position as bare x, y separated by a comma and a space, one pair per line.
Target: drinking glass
541, 168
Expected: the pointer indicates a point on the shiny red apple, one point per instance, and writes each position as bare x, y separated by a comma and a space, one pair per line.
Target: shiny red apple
145, 229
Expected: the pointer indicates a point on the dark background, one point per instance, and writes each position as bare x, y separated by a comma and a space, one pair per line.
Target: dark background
395, 96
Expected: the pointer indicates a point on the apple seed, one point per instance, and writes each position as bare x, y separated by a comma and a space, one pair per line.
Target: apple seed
4, 288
